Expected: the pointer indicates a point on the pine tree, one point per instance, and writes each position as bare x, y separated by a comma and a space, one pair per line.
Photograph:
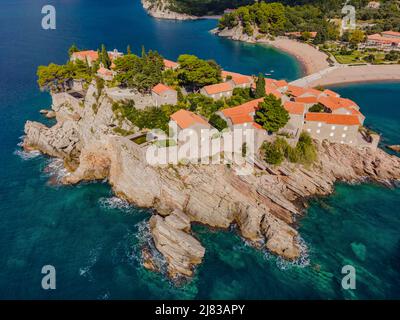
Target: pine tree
271, 115
104, 58
128, 49
72, 49
260, 87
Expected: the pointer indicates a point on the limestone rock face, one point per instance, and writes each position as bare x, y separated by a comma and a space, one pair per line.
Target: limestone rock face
160, 9
180, 249
264, 206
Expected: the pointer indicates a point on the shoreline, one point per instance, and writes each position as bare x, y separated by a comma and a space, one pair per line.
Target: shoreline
311, 59
358, 74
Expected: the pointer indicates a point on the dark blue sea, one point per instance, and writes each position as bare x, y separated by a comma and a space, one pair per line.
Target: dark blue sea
93, 239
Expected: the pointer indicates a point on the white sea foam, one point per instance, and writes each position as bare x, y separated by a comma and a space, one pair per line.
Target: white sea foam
27, 155
115, 203
55, 170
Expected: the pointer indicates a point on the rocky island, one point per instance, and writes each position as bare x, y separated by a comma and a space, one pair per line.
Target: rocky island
96, 143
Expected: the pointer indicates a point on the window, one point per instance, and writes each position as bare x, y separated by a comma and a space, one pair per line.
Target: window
342, 142
308, 130
343, 135
320, 125
333, 127
318, 131
345, 128
332, 134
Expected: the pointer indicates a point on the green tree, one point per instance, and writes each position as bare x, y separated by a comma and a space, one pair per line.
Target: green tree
54, 77
317, 108
128, 49
72, 49
217, 122
260, 87
142, 73
272, 153
271, 115
104, 57
357, 36
195, 73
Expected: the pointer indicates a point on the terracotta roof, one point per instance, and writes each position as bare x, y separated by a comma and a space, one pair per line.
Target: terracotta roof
281, 83
379, 38
186, 119
329, 118
296, 91
307, 100
104, 71
241, 118
294, 107
82, 55
275, 92
334, 103
246, 108
391, 33
170, 64
218, 88
257, 126
312, 91
161, 88
331, 93
237, 78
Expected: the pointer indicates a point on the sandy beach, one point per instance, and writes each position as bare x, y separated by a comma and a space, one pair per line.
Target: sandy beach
354, 74
311, 58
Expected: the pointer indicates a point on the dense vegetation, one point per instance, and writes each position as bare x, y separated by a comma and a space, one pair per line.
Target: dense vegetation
56, 77
278, 17
196, 73
142, 73
304, 153
271, 115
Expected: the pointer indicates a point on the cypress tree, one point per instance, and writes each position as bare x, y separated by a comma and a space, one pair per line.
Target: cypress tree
260, 87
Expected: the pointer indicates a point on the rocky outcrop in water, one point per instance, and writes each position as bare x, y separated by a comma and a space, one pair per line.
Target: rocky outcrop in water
160, 9
264, 206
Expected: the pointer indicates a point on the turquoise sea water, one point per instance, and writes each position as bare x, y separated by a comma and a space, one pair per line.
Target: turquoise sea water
94, 240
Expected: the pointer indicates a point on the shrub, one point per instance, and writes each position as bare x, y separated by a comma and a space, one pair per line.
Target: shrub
217, 122
272, 154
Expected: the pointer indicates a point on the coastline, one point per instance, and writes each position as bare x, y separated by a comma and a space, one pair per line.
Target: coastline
311, 59
358, 74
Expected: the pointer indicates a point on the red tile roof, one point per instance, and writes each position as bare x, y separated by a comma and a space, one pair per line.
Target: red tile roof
329, 118
331, 93
391, 33
241, 118
307, 100
82, 55
246, 108
275, 92
237, 78
161, 88
294, 107
379, 38
334, 103
170, 64
186, 119
218, 88
281, 83
105, 72
296, 91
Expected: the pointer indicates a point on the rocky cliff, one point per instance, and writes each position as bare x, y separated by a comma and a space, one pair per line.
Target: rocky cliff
264, 206
160, 9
